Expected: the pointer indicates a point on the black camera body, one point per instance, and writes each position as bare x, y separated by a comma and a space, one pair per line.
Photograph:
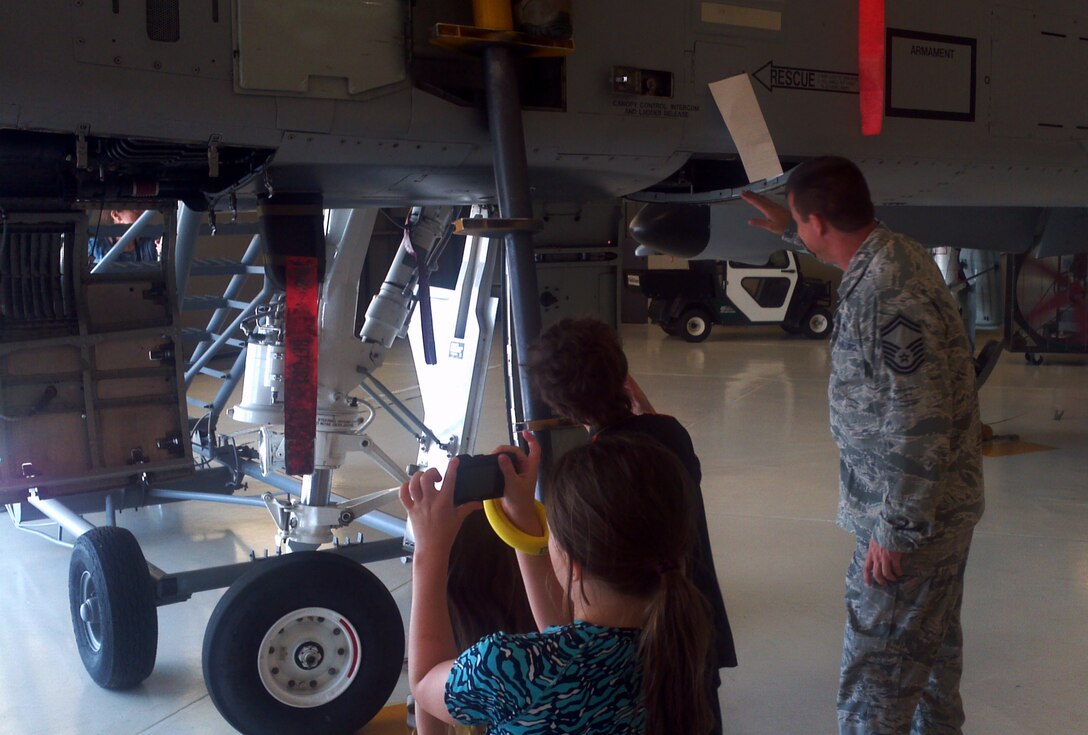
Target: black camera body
479, 477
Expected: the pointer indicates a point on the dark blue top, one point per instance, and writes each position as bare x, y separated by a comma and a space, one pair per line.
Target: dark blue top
144, 252
674, 437
577, 678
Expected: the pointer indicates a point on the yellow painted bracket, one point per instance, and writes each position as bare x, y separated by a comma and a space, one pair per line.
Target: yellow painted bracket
493, 14
547, 424
495, 226
471, 39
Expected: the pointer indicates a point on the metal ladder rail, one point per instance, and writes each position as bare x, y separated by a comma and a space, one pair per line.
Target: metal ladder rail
217, 335
230, 293
233, 377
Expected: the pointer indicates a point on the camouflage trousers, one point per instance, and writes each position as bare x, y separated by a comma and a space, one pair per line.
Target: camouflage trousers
903, 646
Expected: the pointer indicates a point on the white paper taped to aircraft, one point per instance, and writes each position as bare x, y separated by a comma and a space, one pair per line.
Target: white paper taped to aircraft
739, 107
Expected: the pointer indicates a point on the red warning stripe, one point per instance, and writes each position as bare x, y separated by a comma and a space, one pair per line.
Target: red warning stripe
871, 64
300, 365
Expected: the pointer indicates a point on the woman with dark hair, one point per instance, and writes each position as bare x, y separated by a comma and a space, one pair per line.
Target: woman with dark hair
624, 637
580, 371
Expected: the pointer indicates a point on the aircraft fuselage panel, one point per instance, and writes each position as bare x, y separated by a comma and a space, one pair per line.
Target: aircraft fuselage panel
358, 102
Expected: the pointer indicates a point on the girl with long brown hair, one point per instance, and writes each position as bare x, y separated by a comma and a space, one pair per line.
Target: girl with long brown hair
624, 641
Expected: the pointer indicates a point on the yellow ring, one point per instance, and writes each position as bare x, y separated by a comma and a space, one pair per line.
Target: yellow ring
514, 536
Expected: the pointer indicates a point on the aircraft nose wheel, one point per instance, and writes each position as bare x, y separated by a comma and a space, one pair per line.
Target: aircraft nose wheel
304, 643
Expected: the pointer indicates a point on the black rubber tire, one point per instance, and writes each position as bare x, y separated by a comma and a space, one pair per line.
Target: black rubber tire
672, 330
694, 325
790, 328
278, 587
817, 323
108, 572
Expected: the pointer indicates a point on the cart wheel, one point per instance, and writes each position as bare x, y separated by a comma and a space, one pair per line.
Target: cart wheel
310, 642
112, 601
672, 331
817, 323
694, 325
1033, 359
790, 328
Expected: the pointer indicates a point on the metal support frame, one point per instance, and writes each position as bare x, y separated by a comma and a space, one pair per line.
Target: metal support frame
386, 399
185, 247
380, 458
316, 491
173, 588
377, 520
111, 514
60, 514
179, 587
386, 523
161, 493
481, 273
512, 185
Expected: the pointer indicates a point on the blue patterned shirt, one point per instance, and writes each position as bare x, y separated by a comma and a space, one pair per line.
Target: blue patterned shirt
577, 678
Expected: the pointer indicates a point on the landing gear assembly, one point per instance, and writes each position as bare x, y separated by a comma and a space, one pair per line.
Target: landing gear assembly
307, 641
304, 643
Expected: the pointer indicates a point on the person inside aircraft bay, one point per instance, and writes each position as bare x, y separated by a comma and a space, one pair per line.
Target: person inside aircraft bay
579, 369
904, 413
142, 249
624, 635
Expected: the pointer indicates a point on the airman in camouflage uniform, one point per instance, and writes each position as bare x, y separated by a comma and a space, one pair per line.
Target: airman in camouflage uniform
904, 412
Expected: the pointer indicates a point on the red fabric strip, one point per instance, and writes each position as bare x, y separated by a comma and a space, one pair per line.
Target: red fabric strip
300, 366
871, 64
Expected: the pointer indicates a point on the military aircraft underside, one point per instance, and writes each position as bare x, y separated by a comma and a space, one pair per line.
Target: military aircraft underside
476, 118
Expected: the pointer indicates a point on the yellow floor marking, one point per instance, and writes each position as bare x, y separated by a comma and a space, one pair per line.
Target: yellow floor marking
392, 720
1011, 448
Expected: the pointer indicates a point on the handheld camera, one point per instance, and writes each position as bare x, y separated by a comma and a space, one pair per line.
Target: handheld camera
479, 477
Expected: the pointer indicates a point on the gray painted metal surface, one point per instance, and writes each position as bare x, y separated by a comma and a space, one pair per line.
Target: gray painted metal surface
970, 118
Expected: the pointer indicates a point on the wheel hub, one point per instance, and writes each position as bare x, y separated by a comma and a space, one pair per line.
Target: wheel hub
88, 611
309, 657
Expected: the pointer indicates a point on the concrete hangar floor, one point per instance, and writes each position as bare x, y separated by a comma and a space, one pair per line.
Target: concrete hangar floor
755, 403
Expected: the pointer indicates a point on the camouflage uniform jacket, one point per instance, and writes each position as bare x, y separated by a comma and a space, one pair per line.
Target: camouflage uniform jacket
904, 407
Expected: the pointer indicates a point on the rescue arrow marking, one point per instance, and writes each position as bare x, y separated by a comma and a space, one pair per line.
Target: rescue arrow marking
813, 80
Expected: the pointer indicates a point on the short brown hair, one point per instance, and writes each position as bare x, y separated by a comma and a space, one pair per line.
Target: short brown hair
579, 369
834, 188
